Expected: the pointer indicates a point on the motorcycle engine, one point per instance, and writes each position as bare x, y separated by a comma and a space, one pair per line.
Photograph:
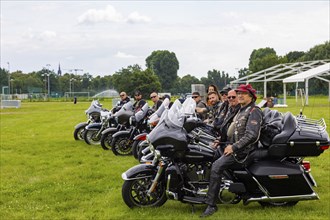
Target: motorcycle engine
225, 196
196, 177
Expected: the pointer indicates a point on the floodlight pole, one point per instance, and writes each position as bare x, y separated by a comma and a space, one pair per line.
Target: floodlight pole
48, 65
8, 78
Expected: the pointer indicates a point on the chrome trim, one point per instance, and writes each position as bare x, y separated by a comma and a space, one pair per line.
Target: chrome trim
312, 196
264, 190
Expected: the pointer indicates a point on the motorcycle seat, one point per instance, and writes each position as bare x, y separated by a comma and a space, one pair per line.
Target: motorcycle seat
289, 126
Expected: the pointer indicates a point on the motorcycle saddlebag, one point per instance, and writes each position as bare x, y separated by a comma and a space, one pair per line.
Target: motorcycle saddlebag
281, 178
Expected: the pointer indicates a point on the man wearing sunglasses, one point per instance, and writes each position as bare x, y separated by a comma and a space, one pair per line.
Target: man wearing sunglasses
224, 124
199, 104
157, 102
139, 102
123, 100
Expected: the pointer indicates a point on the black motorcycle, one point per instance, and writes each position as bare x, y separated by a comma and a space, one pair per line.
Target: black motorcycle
122, 141
93, 114
273, 176
121, 117
139, 140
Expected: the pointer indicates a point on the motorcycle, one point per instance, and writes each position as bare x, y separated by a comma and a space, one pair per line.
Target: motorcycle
139, 140
202, 135
273, 176
121, 117
122, 140
93, 114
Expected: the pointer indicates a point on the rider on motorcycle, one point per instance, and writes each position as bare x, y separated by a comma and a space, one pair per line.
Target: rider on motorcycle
247, 126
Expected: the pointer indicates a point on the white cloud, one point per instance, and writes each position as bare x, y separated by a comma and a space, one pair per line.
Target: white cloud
41, 36
124, 55
110, 14
249, 27
135, 17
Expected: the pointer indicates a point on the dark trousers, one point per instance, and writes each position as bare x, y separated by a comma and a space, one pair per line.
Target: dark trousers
218, 166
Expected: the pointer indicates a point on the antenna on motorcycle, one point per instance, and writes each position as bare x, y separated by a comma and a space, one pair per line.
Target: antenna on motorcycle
301, 114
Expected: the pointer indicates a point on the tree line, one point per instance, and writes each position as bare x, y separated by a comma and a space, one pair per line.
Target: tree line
160, 75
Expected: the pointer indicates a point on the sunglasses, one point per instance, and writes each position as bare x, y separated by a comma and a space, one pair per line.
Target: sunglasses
223, 94
121, 95
194, 97
152, 97
231, 97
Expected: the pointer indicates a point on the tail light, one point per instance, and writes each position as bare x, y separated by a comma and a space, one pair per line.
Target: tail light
324, 147
307, 165
143, 138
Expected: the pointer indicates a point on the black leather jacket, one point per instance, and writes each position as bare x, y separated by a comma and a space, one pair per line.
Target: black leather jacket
247, 129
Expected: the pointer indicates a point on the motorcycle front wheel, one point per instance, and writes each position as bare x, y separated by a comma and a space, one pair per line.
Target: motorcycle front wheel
121, 145
106, 141
78, 133
134, 193
136, 148
90, 137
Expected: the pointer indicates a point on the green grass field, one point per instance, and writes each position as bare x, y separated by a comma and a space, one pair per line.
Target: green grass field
46, 174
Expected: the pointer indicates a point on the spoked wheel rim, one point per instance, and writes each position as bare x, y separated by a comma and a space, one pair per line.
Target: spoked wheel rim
92, 137
139, 196
79, 134
106, 142
123, 146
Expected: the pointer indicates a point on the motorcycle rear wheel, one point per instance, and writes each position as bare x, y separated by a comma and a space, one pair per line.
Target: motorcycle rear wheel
278, 204
121, 146
90, 137
78, 133
134, 193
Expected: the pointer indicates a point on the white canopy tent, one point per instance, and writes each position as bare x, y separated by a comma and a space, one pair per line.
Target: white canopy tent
317, 72
284, 71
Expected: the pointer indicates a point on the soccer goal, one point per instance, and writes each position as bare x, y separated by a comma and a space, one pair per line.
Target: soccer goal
76, 94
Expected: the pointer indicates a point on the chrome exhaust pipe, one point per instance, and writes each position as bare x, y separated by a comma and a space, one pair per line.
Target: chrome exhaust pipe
312, 196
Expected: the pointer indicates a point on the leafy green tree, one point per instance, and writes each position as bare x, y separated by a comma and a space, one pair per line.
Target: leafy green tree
294, 56
262, 58
144, 81
165, 65
318, 52
183, 85
134, 78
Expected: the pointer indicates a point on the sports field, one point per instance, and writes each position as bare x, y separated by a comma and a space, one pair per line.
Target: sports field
46, 174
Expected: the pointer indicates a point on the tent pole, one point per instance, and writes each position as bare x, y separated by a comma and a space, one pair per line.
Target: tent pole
284, 93
306, 89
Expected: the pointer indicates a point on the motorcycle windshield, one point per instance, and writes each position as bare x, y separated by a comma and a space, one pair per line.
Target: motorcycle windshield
156, 116
141, 113
127, 107
94, 107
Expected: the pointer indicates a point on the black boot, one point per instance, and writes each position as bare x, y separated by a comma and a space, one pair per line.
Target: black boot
210, 210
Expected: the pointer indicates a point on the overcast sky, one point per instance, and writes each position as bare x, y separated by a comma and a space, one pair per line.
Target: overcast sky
101, 37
